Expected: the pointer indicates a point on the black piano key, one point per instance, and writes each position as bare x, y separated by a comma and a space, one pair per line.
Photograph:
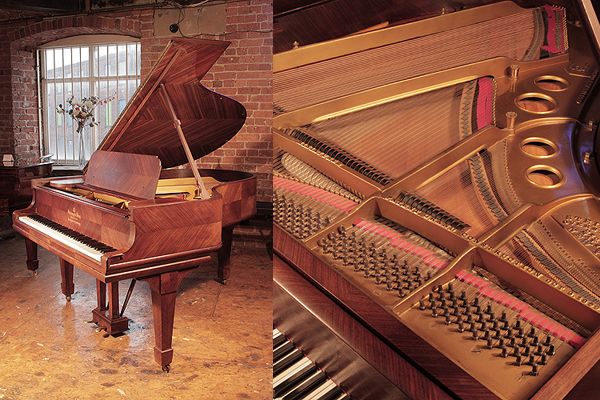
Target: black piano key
294, 380
278, 341
282, 350
73, 234
306, 387
287, 361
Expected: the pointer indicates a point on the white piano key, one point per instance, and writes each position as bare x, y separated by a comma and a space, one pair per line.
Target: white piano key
321, 390
62, 238
291, 371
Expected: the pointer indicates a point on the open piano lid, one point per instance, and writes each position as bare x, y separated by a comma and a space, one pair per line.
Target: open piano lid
208, 119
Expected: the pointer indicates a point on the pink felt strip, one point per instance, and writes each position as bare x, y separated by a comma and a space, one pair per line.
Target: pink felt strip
485, 100
551, 36
576, 341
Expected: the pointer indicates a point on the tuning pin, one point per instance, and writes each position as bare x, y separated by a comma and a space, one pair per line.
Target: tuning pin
519, 360
532, 332
534, 369
518, 324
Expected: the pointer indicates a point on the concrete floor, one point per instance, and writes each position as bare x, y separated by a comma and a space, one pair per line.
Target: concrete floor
222, 338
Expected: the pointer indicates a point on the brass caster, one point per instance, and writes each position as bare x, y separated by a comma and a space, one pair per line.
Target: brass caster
34, 273
68, 297
166, 368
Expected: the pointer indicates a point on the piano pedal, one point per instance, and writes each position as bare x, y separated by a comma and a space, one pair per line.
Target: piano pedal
91, 321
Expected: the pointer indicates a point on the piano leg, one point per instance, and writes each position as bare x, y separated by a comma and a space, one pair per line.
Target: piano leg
32, 260
66, 273
164, 292
111, 321
224, 255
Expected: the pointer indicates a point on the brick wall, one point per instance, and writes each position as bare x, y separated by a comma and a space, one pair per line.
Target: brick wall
244, 73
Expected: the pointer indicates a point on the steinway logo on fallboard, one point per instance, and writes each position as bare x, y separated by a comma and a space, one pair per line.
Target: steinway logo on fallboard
74, 216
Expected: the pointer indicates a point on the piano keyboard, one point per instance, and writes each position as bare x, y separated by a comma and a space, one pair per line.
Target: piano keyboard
296, 377
84, 244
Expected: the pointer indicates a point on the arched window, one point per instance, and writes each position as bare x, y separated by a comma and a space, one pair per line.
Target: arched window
104, 66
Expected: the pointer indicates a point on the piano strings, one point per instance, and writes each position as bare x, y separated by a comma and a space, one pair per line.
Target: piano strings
519, 36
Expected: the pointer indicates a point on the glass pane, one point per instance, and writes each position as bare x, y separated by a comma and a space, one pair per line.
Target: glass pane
112, 60
139, 59
122, 60
122, 93
113, 105
49, 59
85, 62
52, 120
101, 61
58, 63
67, 62
132, 86
76, 60
132, 58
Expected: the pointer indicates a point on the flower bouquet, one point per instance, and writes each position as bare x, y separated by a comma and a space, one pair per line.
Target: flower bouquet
83, 112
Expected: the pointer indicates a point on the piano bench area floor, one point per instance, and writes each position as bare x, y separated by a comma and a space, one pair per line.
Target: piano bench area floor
222, 337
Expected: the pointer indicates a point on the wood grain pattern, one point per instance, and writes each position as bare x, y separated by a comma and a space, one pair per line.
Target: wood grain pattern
130, 174
164, 292
208, 119
312, 320
400, 339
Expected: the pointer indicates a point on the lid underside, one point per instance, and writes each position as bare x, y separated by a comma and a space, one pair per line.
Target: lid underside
208, 119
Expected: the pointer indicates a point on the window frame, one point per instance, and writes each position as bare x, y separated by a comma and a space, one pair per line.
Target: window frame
111, 78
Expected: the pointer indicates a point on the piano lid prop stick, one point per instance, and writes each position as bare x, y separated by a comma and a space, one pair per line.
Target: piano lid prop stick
186, 148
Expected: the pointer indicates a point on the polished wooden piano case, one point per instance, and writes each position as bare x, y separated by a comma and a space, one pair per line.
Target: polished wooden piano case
132, 215
437, 183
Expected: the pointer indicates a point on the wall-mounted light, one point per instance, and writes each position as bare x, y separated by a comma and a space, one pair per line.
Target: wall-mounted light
174, 28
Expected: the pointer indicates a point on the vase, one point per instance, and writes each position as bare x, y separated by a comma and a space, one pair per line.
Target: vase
81, 163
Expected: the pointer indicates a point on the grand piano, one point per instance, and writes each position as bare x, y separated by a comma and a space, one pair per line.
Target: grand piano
436, 199
132, 214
